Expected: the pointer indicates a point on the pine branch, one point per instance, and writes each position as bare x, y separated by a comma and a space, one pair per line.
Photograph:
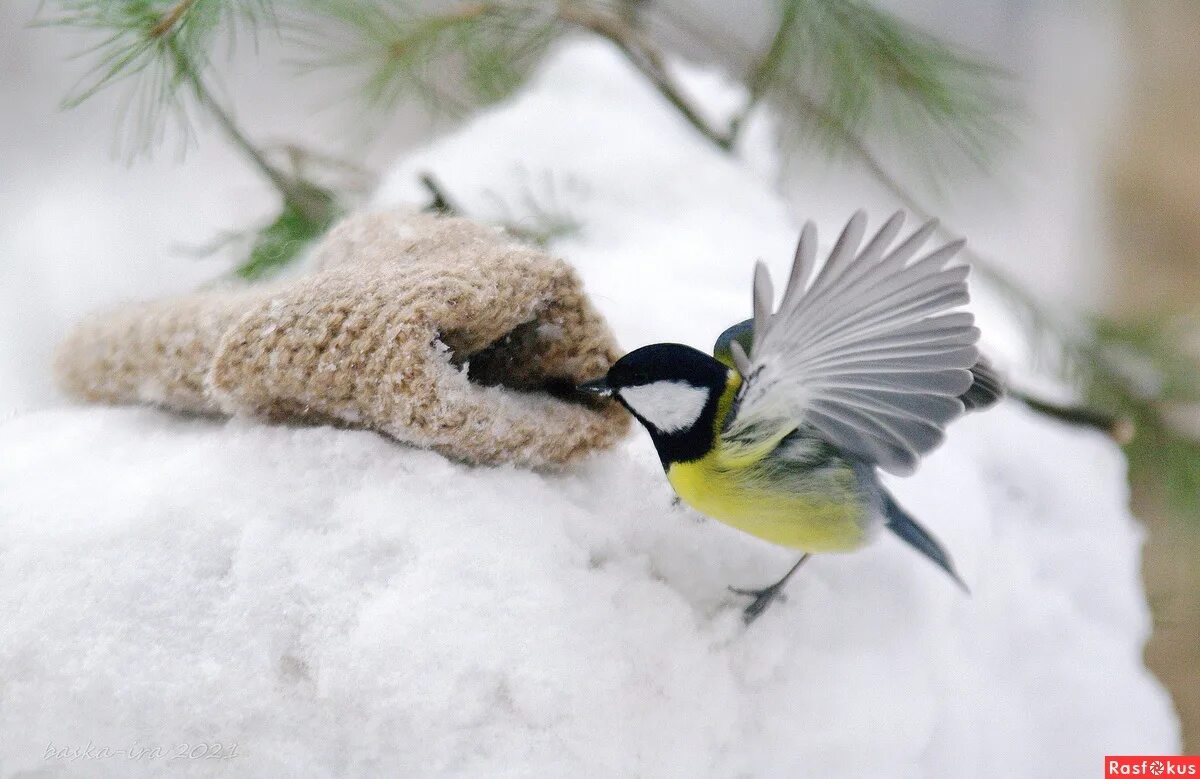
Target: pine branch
861, 66
167, 22
644, 56
1118, 428
149, 46
291, 189
439, 201
164, 48
767, 69
482, 50
1142, 368
538, 223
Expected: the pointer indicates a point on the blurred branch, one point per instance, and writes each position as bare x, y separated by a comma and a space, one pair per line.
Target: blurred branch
537, 222
310, 201
1142, 368
350, 177
150, 47
767, 68
391, 45
439, 201
162, 49
865, 68
643, 55
167, 21
1118, 428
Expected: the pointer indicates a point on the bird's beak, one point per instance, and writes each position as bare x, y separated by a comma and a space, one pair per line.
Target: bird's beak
598, 387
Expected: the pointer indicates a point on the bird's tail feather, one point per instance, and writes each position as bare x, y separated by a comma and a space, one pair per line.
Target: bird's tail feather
903, 525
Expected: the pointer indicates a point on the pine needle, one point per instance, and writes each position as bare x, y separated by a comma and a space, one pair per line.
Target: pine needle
154, 49
1140, 368
863, 70
470, 54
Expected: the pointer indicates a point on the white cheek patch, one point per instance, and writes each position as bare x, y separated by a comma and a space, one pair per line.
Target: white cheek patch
670, 406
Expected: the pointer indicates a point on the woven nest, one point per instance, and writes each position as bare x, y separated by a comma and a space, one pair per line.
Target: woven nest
437, 331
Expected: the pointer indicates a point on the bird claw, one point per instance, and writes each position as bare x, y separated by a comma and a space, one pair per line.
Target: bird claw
762, 599
767, 595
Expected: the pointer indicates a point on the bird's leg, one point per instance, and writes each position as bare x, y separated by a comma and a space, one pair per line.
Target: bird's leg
764, 597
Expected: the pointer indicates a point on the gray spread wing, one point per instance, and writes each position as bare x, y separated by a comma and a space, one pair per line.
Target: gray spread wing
866, 350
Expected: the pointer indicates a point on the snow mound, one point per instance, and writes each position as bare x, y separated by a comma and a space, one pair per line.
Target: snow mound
334, 604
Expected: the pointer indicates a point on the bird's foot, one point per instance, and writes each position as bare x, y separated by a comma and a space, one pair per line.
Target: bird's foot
762, 598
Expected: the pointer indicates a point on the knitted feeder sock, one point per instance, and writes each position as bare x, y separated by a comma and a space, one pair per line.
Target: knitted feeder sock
437, 331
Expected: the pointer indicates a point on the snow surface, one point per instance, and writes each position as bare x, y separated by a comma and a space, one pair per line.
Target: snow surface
335, 604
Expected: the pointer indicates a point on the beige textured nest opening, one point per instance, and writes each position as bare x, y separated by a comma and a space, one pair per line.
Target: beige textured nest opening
437, 331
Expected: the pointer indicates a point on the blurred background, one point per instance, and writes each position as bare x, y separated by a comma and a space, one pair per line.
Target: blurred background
1071, 127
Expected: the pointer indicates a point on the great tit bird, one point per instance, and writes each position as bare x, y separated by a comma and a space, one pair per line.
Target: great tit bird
781, 433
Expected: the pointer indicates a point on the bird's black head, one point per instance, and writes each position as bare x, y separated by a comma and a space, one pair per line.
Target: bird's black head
673, 390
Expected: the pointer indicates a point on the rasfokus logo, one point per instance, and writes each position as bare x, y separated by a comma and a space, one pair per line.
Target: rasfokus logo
1150, 765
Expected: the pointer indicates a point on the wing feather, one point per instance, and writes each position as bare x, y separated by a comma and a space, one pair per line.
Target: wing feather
803, 265
866, 350
844, 251
764, 296
740, 360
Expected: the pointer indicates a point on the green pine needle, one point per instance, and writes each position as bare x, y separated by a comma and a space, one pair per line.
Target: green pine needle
1140, 369
285, 239
866, 71
153, 48
470, 54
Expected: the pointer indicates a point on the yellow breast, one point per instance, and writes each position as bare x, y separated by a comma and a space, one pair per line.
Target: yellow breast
819, 513
812, 521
